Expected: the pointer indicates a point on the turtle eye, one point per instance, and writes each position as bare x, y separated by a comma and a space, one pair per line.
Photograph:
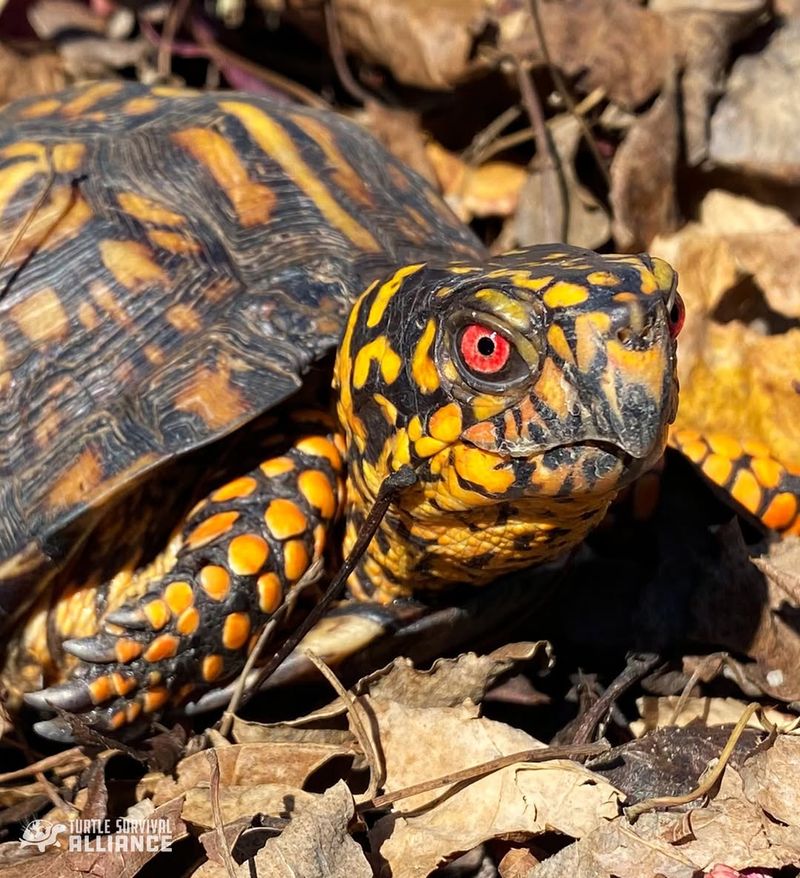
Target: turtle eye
484, 351
676, 314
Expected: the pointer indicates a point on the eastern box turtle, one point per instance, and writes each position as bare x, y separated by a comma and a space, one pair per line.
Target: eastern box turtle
177, 265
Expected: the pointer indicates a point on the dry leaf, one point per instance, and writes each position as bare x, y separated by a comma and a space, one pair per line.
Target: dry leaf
23, 76
239, 801
658, 713
429, 829
314, 844
643, 176
756, 125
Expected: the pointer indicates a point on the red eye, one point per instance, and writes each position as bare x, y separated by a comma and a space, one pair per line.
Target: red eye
484, 350
677, 314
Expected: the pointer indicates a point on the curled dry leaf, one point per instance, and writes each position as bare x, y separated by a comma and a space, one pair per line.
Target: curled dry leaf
643, 176
449, 682
288, 764
490, 189
314, 843
428, 829
658, 713
771, 779
756, 126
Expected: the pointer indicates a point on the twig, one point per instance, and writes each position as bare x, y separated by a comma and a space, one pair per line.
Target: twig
355, 713
708, 782
562, 89
175, 17
46, 764
637, 667
540, 754
391, 486
473, 154
339, 57
715, 658
53, 795
548, 157
216, 812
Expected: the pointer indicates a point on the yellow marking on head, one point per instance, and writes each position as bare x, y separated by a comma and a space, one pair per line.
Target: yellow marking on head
557, 339
345, 175
215, 581
277, 144
663, 273
445, 423
521, 278
381, 350
388, 408
626, 297
401, 453
781, 511
551, 387
188, 622
147, 210
41, 317
241, 487
318, 491
277, 466
767, 470
415, 428
178, 596
321, 446
285, 519
235, 630
427, 446
513, 311
40, 108
163, 647
423, 369
717, 468
77, 481
131, 263
463, 269
157, 613
252, 201
67, 157
587, 328
295, 559
484, 406
603, 279
387, 291
270, 593
483, 469
746, 490
211, 529
211, 395
88, 97
247, 554
565, 295
212, 667
138, 106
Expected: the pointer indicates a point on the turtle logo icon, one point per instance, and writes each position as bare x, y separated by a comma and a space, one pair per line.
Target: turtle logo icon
41, 834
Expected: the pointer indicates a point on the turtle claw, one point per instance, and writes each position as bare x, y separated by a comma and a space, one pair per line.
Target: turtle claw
55, 730
128, 617
74, 696
99, 648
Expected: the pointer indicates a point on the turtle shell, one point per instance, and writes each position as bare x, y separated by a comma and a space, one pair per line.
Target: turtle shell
173, 263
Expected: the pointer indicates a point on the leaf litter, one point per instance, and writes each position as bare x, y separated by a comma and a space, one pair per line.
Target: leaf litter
669, 126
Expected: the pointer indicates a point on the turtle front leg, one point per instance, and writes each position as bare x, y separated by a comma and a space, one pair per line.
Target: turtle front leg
239, 553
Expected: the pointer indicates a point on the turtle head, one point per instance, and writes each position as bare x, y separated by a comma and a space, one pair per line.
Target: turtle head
525, 391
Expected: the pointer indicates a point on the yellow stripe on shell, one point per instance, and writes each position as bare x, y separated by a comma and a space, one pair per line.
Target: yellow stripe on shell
279, 146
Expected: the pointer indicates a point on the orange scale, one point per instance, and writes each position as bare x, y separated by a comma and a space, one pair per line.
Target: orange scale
154, 699
767, 470
178, 596
212, 667
270, 592
163, 647
781, 511
247, 554
241, 487
295, 559
101, 689
188, 622
285, 519
212, 528
235, 630
157, 613
215, 581
127, 650
746, 490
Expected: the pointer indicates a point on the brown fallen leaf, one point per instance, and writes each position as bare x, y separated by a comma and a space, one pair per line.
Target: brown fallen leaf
772, 780
239, 801
756, 127
315, 843
23, 76
449, 682
284, 763
428, 829
643, 176
657, 713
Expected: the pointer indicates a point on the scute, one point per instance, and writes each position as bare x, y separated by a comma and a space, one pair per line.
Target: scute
186, 257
